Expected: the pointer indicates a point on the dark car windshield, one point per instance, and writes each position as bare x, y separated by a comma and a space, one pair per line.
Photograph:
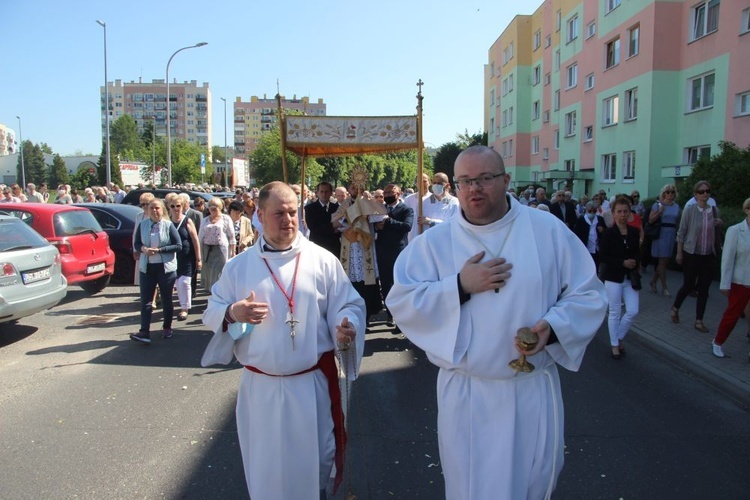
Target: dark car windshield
15, 235
75, 222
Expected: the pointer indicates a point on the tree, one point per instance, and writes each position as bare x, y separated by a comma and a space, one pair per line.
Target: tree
186, 161
46, 149
217, 154
465, 140
266, 162
101, 168
124, 140
445, 158
728, 173
59, 172
34, 168
83, 179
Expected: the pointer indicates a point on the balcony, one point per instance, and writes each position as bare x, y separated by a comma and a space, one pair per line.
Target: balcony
676, 171
200, 98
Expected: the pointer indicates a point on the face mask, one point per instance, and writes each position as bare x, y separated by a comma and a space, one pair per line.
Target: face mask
591, 216
389, 199
438, 189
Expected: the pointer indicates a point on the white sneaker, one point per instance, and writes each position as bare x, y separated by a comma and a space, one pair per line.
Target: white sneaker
718, 351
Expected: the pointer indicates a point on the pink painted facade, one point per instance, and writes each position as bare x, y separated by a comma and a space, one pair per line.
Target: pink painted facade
684, 88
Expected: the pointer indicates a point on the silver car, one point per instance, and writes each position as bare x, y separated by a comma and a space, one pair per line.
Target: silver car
31, 277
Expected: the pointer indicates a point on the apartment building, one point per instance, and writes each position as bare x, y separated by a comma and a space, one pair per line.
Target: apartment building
254, 118
8, 142
618, 95
189, 107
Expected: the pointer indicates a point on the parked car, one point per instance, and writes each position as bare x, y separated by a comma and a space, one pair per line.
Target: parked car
134, 195
118, 221
31, 278
84, 249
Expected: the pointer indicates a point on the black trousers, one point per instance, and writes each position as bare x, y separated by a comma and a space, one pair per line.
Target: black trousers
697, 272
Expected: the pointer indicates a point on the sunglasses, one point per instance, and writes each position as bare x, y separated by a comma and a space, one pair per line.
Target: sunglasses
703, 191
668, 192
175, 206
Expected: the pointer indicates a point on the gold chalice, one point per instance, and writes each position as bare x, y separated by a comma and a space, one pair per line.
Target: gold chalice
527, 340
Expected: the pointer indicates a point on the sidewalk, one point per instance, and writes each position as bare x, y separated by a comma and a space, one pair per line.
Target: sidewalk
688, 348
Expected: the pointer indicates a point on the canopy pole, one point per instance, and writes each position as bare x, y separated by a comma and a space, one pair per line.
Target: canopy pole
420, 151
282, 131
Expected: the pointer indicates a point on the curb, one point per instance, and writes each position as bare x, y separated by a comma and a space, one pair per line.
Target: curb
717, 379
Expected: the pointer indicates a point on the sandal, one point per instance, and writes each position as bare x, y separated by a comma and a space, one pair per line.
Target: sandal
675, 315
701, 327
182, 316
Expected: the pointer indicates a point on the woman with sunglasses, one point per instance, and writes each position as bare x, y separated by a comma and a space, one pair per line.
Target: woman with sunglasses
665, 212
190, 256
216, 236
696, 252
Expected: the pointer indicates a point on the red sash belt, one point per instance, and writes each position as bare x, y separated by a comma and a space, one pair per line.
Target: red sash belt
327, 364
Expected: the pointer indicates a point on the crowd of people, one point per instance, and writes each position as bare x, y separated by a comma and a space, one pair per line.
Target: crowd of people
296, 275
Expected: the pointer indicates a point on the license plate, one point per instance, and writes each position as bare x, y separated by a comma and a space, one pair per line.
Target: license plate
95, 268
34, 276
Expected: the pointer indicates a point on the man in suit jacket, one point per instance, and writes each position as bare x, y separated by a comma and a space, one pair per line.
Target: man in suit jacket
318, 216
564, 210
392, 236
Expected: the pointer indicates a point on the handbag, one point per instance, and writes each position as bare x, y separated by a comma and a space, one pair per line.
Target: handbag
635, 279
652, 230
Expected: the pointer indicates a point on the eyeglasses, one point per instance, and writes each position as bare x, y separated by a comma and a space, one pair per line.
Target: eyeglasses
175, 206
703, 191
482, 181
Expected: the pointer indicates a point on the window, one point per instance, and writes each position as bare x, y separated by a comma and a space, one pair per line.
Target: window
589, 81
558, 20
535, 145
492, 125
588, 133
572, 76
510, 115
505, 86
613, 53
536, 110
556, 100
508, 53
505, 118
510, 83
492, 97
557, 60
572, 29
631, 104
570, 165
505, 149
547, 41
557, 138
701, 92
492, 69
546, 116
537, 40
510, 147
692, 155
611, 4
742, 104
705, 18
609, 167
536, 75
547, 78
610, 109
628, 165
590, 29
570, 124
545, 154
745, 21
634, 37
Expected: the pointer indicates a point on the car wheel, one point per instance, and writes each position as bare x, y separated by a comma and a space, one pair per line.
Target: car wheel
95, 286
124, 269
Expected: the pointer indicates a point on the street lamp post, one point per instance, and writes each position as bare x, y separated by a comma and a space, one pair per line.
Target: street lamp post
169, 112
153, 150
106, 106
23, 166
226, 159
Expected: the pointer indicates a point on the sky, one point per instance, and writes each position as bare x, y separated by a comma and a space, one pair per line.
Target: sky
361, 58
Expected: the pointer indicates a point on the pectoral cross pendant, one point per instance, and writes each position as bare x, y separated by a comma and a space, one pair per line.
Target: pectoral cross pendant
292, 323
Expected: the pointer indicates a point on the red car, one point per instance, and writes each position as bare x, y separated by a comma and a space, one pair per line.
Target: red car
86, 257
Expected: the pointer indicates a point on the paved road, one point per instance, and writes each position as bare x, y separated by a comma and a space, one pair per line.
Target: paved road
92, 415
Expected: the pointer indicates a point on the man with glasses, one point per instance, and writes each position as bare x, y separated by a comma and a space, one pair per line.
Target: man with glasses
563, 210
455, 297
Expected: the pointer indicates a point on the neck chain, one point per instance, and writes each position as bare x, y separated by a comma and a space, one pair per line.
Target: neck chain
289, 297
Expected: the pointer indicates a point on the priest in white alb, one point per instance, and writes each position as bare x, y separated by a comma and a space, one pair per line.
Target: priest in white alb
462, 291
286, 310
